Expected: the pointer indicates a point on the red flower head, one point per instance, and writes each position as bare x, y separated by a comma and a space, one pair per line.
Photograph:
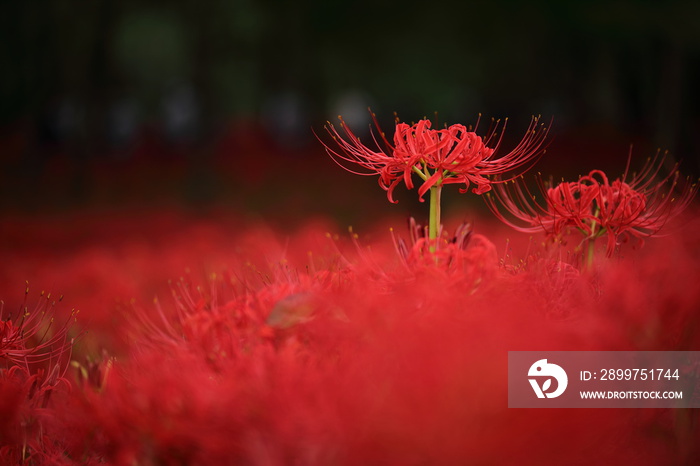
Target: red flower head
595, 206
455, 154
33, 336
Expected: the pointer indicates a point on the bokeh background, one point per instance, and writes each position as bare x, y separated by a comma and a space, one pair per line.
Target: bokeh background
136, 104
158, 159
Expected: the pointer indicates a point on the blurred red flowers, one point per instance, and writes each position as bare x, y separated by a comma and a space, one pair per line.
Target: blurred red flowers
307, 349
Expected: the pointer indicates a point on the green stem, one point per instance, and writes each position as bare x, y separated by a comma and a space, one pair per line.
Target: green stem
417, 170
434, 225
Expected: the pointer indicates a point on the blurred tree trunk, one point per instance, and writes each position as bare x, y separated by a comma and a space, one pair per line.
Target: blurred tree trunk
670, 101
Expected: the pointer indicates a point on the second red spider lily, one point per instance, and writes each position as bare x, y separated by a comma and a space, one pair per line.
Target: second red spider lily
453, 155
595, 206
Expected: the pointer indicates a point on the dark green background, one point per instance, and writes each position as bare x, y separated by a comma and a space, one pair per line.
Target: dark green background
609, 74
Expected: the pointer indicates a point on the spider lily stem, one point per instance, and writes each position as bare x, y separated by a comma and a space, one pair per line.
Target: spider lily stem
420, 173
434, 212
434, 215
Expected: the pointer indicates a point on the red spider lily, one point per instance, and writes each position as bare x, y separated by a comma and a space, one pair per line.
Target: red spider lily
637, 207
34, 353
455, 154
464, 256
33, 336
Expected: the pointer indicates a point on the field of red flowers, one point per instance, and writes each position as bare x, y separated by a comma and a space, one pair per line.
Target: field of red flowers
308, 347
171, 337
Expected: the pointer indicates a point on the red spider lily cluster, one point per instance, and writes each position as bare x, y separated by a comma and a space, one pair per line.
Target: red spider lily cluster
638, 207
218, 341
595, 206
